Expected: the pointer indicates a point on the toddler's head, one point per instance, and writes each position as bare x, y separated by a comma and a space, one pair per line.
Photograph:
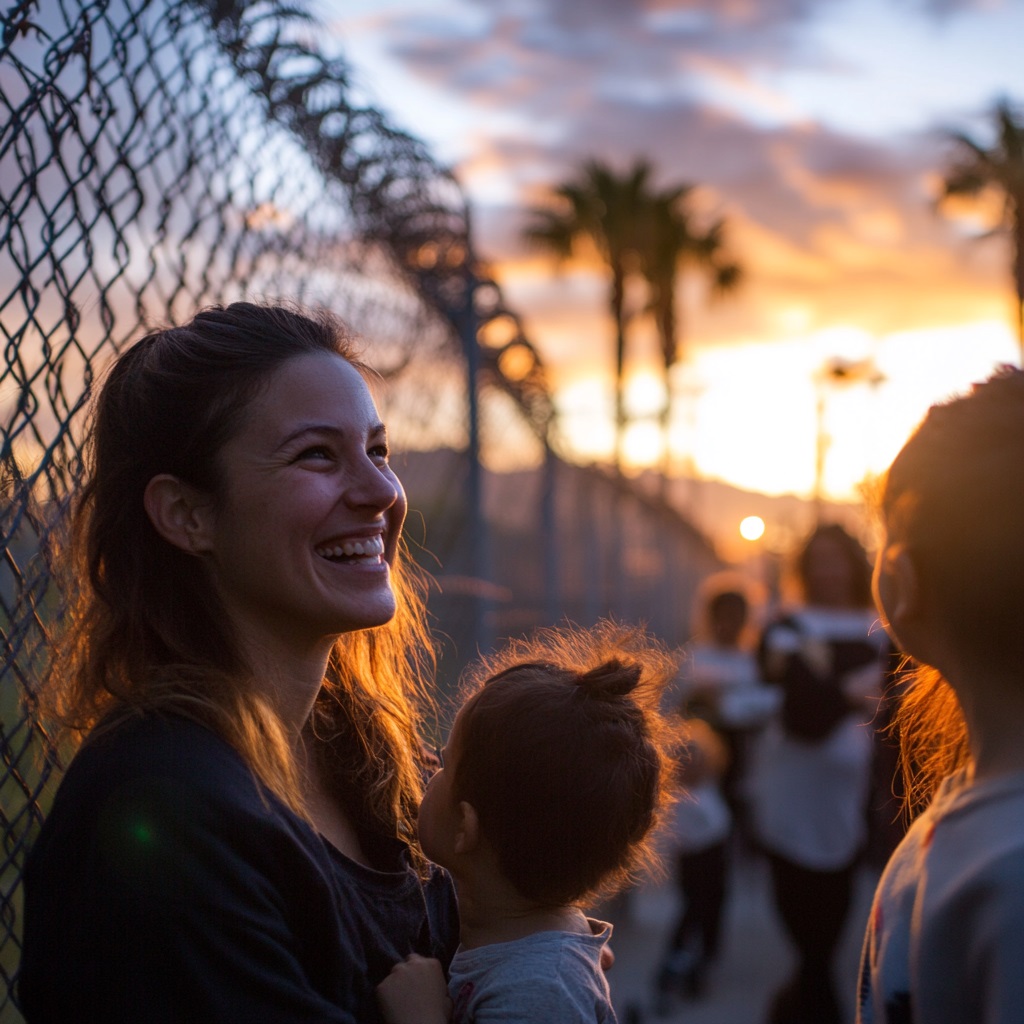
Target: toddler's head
561, 752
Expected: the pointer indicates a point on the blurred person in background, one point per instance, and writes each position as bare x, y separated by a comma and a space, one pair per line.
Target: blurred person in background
696, 848
812, 775
721, 683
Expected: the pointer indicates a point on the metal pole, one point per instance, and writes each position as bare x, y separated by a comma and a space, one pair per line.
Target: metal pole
478, 561
549, 531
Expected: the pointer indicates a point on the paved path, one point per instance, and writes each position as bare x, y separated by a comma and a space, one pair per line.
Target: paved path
755, 957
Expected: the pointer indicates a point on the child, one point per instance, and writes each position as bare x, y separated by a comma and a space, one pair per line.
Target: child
722, 683
553, 777
945, 939
698, 840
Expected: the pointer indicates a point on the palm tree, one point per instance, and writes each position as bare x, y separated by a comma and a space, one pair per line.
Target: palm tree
976, 169
602, 209
675, 242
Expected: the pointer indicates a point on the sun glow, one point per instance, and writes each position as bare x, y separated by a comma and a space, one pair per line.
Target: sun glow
755, 414
752, 528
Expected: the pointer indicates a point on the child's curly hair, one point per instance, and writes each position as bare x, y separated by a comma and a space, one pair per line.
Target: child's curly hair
562, 751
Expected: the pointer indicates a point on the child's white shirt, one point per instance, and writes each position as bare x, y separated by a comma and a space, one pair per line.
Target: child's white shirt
945, 939
743, 700
700, 819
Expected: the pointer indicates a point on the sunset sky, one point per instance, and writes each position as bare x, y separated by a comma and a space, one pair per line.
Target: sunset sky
814, 126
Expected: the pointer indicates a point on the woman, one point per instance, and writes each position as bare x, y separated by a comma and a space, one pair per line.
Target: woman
813, 766
235, 839
945, 936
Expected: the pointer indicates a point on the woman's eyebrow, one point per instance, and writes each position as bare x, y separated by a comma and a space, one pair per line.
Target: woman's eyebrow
309, 428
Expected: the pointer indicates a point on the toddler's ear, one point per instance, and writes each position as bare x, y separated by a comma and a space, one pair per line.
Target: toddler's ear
467, 832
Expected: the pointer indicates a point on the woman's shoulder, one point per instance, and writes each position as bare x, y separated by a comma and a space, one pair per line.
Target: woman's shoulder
160, 801
157, 766
156, 745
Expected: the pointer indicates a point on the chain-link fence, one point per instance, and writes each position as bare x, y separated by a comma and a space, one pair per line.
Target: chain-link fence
160, 155
156, 157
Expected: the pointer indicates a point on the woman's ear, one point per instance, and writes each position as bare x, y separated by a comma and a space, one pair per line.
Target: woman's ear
898, 589
181, 514
467, 831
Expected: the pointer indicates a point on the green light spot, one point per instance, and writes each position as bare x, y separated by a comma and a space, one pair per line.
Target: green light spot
143, 833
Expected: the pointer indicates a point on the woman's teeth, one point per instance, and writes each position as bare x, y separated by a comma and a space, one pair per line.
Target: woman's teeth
372, 547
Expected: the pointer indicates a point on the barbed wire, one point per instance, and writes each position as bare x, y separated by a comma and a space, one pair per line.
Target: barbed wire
154, 158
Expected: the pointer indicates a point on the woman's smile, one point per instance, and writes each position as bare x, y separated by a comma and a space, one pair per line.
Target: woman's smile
311, 512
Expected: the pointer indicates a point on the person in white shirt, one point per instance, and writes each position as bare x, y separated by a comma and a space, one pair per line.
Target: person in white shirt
811, 780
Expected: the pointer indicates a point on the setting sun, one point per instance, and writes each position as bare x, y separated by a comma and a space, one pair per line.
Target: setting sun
752, 528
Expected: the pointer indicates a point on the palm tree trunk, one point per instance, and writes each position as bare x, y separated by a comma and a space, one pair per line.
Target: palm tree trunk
618, 299
1018, 275
665, 323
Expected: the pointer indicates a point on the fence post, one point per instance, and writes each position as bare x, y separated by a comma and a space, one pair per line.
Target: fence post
468, 325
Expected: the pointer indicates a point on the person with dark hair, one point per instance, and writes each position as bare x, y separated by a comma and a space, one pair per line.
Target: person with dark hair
697, 842
811, 780
555, 773
945, 937
725, 705
244, 662
721, 683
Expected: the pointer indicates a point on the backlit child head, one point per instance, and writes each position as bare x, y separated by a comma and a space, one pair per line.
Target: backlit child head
561, 754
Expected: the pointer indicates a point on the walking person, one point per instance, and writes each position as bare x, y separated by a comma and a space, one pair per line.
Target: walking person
697, 848
722, 684
813, 770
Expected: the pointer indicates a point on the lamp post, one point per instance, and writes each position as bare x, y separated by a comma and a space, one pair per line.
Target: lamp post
836, 371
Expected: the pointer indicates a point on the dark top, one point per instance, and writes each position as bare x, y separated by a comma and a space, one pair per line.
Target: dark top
166, 885
809, 654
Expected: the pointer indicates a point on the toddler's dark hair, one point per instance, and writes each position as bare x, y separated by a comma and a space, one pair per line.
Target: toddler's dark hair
563, 753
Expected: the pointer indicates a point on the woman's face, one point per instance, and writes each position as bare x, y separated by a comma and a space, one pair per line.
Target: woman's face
829, 578
308, 516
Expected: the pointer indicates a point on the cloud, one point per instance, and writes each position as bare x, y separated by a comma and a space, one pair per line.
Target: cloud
547, 54
837, 226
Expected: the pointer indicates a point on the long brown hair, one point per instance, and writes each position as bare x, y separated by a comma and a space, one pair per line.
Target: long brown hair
146, 630
955, 496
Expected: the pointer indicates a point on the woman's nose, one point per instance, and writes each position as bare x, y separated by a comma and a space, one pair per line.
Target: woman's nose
372, 487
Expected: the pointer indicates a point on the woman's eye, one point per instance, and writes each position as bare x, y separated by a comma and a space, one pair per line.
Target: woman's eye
380, 452
314, 452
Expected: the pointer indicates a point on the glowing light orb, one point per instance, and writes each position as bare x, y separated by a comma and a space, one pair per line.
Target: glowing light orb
752, 528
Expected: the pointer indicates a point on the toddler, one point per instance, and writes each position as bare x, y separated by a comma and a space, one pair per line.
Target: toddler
553, 777
697, 843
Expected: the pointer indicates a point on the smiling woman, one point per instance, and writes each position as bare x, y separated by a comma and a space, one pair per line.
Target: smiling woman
308, 516
235, 838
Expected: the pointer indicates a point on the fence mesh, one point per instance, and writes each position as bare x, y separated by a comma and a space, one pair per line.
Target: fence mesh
161, 155
156, 157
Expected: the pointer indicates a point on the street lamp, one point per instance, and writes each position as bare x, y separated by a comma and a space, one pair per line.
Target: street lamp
836, 371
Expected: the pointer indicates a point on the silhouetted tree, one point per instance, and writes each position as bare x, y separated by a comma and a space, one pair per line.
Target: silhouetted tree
673, 242
607, 210
976, 168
